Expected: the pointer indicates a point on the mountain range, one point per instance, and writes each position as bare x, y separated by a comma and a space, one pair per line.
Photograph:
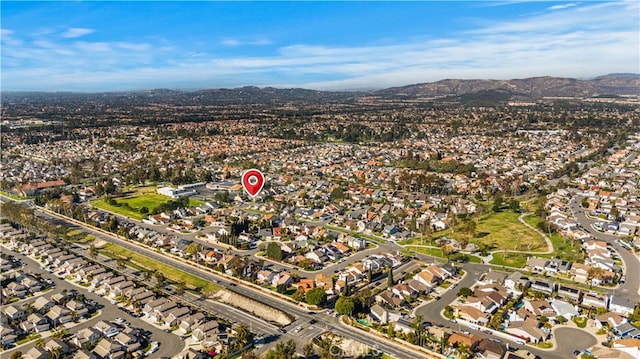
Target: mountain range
464, 91
529, 88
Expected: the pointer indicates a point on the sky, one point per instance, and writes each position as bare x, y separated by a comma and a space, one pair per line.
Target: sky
94, 46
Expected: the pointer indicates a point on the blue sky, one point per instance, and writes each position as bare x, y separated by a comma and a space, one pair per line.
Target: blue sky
107, 46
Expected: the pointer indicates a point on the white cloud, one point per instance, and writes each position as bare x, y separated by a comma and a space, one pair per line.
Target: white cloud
74, 32
562, 6
235, 42
93, 46
579, 41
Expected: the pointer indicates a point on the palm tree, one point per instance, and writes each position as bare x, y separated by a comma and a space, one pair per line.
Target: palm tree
39, 343
55, 353
93, 251
243, 335
308, 350
60, 333
74, 315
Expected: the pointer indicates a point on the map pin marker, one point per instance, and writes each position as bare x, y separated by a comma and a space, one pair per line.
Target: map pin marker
252, 181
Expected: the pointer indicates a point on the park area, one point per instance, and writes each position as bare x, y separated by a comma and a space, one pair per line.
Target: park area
137, 203
494, 231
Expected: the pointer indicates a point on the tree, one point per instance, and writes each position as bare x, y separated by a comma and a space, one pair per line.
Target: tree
274, 251
121, 263
282, 288
308, 350
345, 305
93, 251
584, 202
316, 296
594, 273
329, 345
514, 205
390, 277
243, 335
180, 287
61, 333
193, 249
614, 213
497, 203
299, 295
160, 279
55, 352
39, 343
465, 292
283, 350
337, 194
447, 250
16, 355
144, 210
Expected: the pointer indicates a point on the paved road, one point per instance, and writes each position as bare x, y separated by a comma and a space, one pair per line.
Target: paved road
630, 290
170, 344
570, 339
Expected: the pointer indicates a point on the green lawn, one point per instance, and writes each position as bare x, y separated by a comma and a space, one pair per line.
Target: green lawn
502, 230
563, 248
498, 231
13, 196
436, 252
517, 260
169, 272
136, 199
123, 211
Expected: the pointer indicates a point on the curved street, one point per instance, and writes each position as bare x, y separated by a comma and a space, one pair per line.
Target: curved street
630, 290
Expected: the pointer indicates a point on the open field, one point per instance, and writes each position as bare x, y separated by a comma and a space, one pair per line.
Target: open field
502, 230
516, 260
498, 231
436, 252
169, 272
562, 248
130, 203
123, 211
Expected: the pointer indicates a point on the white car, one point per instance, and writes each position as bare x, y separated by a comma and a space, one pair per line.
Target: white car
120, 320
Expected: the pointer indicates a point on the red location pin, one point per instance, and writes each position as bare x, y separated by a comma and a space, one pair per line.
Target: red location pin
252, 181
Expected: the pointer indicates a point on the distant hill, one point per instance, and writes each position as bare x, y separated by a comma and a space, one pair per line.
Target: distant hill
529, 88
464, 91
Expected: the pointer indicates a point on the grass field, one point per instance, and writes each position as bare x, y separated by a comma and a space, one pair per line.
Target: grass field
516, 260
562, 248
169, 272
498, 231
436, 252
503, 231
136, 199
